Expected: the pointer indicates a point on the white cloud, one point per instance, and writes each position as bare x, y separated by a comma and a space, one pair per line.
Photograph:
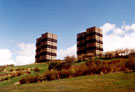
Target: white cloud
26, 49
67, 52
118, 31
23, 60
6, 57
128, 27
113, 38
26, 54
107, 27
133, 27
120, 38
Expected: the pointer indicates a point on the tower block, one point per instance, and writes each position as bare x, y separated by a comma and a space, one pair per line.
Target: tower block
90, 42
46, 48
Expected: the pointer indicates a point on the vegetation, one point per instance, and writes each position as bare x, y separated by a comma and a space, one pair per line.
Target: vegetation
67, 70
59, 66
119, 53
6, 79
70, 59
115, 82
113, 64
36, 69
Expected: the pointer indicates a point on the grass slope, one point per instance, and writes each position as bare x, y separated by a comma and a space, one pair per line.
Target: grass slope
116, 82
12, 81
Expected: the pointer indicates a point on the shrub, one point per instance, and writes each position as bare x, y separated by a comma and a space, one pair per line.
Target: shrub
64, 73
66, 69
51, 75
33, 79
131, 63
13, 74
59, 66
18, 69
28, 72
4, 78
41, 78
93, 67
63, 65
81, 70
2, 68
36, 69
70, 59
104, 68
19, 73
23, 81
23, 69
53, 65
11, 70
30, 79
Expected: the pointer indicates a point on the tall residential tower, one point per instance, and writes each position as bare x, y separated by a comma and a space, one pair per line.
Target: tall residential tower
90, 42
46, 47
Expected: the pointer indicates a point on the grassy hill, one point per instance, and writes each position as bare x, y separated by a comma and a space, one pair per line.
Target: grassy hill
116, 82
113, 82
12, 81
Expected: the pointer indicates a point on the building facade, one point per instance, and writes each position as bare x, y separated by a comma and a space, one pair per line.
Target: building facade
90, 42
46, 48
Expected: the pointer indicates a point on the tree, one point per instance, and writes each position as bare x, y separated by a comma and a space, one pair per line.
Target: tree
70, 58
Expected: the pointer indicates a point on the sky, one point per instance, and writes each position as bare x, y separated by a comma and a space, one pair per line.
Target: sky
22, 21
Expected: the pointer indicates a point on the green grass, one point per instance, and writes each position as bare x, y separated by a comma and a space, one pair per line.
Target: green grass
12, 81
116, 82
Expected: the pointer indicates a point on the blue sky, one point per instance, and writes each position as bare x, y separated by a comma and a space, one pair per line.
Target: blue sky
22, 21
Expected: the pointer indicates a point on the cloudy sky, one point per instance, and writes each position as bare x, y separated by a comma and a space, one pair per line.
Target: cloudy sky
22, 21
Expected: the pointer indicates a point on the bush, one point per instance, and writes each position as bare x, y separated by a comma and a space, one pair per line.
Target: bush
2, 68
66, 69
53, 65
41, 78
131, 63
104, 68
70, 59
23, 81
63, 65
93, 67
28, 72
33, 79
18, 73
4, 78
59, 66
30, 79
64, 73
81, 70
18, 69
36, 69
11, 70
51, 75
13, 74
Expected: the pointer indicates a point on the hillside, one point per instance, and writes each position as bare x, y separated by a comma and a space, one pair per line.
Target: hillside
116, 82
28, 68
112, 82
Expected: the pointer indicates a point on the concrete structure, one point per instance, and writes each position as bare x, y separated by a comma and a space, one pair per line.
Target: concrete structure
46, 47
90, 42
